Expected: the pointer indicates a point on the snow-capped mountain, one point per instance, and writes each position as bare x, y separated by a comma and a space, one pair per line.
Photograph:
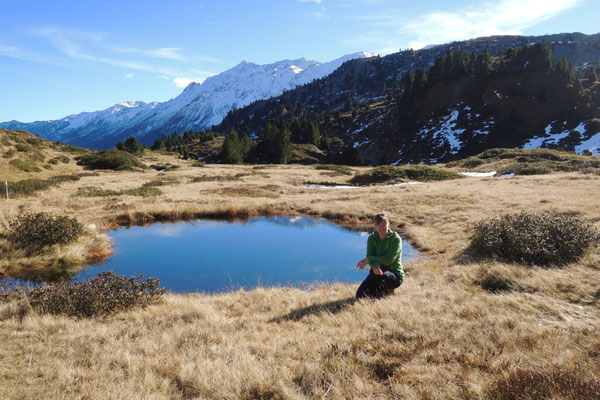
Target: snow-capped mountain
200, 105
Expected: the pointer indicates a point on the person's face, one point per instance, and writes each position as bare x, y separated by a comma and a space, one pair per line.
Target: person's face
382, 229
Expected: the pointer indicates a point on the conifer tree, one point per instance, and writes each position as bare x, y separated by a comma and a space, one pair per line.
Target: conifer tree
232, 152
591, 75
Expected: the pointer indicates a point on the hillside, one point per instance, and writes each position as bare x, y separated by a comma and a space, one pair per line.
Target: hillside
455, 105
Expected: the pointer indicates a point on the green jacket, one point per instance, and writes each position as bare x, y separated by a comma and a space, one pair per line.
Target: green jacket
386, 253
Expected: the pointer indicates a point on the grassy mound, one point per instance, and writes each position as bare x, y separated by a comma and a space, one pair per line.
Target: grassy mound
530, 161
116, 160
146, 190
392, 174
534, 238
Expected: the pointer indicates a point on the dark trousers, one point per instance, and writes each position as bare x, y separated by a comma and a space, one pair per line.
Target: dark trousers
378, 286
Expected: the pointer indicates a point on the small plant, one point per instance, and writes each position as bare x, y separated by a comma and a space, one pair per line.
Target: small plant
116, 160
340, 169
104, 294
9, 153
35, 231
534, 238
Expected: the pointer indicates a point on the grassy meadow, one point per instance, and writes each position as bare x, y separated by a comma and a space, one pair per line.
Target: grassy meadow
443, 335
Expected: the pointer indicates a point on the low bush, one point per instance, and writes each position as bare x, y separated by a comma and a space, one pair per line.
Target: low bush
25, 148
35, 231
62, 158
9, 154
28, 187
103, 294
53, 161
340, 169
24, 166
116, 160
521, 384
391, 174
526, 169
534, 238
495, 281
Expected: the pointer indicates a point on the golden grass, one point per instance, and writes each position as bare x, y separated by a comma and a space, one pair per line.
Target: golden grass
440, 336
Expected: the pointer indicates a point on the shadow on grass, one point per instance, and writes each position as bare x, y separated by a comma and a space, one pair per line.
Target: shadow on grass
333, 307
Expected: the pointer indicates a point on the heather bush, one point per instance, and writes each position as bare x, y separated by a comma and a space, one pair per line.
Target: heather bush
534, 238
34, 231
103, 294
116, 160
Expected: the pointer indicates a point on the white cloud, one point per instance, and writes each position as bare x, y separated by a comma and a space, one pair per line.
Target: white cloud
393, 29
310, 1
184, 82
129, 75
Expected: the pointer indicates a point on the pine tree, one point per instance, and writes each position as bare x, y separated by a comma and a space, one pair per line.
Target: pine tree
591, 75
276, 143
231, 152
132, 146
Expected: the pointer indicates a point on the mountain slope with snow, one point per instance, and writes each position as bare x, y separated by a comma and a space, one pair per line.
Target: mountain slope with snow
198, 106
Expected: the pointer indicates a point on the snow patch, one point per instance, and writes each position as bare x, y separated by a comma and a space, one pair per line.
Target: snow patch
479, 174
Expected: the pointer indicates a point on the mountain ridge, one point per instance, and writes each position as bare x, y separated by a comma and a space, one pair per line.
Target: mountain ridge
198, 106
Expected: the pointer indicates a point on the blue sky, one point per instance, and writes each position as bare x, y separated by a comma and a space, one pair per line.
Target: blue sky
63, 57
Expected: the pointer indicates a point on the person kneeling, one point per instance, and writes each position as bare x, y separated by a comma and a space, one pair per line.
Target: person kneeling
384, 255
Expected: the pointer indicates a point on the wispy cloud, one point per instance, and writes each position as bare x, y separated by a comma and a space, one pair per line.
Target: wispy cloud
391, 29
129, 75
310, 1
171, 53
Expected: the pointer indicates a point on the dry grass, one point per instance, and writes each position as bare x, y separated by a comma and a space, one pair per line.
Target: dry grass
442, 335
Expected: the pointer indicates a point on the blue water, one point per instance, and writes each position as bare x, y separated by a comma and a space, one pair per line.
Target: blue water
211, 256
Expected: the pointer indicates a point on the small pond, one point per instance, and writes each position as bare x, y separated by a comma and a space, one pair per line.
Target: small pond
211, 256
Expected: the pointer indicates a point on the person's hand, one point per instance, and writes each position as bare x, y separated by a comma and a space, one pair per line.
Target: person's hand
377, 271
361, 264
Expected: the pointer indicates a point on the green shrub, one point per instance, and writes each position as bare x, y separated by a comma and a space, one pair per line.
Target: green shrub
35, 231
24, 166
25, 148
390, 174
53, 161
521, 384
534, 238
9, 153
116, 160
103, 294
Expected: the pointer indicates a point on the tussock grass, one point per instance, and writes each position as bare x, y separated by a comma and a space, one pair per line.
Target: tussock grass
142, 191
